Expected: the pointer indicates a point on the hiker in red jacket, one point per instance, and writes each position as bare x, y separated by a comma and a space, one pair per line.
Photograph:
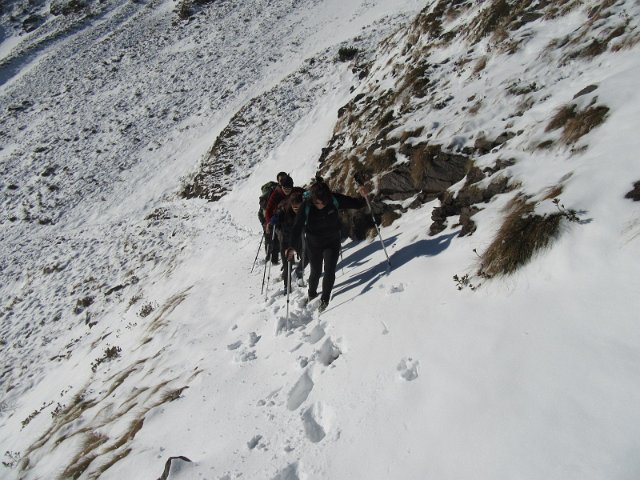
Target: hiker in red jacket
277, 197
266, 191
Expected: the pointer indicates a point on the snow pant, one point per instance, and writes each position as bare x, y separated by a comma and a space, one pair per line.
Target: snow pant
297, 267
272, 248
319, 254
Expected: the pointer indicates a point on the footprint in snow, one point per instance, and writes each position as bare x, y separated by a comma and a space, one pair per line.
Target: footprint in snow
408, 369
300, 391
317, 421
270, 399
315, 335
253, 339
297, 318
256, 442
234, 345
290, 472
328, 353
246, 356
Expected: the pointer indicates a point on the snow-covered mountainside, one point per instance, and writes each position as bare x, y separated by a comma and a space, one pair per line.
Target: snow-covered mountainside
500, 141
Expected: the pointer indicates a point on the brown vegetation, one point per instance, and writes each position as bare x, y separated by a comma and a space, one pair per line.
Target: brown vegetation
522, 234
576, 123
583, 122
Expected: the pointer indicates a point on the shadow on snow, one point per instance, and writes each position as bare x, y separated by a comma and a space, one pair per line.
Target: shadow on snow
368, 277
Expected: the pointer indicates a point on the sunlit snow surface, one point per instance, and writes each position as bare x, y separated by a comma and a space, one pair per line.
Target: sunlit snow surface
132, 329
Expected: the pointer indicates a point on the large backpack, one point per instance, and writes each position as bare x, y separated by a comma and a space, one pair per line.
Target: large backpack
266, 191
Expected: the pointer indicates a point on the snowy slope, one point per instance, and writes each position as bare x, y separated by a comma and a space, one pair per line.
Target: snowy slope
133, 329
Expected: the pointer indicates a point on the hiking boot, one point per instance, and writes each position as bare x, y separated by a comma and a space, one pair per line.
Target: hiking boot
323, 306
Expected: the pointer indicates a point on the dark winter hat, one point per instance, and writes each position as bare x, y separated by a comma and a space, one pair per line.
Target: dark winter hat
281, 176
287, 182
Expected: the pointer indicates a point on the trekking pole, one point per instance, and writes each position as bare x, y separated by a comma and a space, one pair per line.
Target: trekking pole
355, 177
255, 259
288, 290
273, 236
264, 273
301, 264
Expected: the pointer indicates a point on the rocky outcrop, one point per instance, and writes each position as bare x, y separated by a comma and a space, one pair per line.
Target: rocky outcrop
465, 203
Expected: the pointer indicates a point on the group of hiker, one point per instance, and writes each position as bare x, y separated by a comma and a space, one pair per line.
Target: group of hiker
302, 227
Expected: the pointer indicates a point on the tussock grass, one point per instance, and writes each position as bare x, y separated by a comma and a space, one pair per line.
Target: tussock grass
388, 217
480, 65
561, 117
577, 123
106, 466
85, 456
522, 234
584, 122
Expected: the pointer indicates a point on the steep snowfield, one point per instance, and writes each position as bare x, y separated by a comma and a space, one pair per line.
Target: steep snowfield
133, 329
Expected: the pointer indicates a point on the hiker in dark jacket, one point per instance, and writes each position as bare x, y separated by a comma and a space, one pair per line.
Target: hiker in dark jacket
267, 189
286, 216
319, 217
277, 197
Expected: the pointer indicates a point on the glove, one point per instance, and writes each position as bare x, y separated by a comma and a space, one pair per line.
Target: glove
274, 220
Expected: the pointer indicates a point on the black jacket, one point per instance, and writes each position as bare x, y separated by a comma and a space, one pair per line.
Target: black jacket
323, 226
284, 227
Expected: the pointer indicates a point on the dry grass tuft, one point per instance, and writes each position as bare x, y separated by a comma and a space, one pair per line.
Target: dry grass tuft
521, 235
475, 108
388, 217
577, 123
85, 456
553, 192
583, 123
115, 459
480, 65
562, 116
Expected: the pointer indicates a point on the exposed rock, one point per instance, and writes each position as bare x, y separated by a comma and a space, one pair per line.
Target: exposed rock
585, 91
635, 193
483, 145
32, 22
463, 204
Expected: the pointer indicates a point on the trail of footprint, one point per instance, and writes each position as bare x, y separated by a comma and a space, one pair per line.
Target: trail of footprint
300, 391
315, 335
328, 353
253, 339
317, 421
290, 472
298, 317
256, 442
408, 369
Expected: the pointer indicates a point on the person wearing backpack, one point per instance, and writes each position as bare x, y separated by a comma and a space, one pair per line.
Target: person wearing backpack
265, 193
278, 196
286, 216
319, 218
